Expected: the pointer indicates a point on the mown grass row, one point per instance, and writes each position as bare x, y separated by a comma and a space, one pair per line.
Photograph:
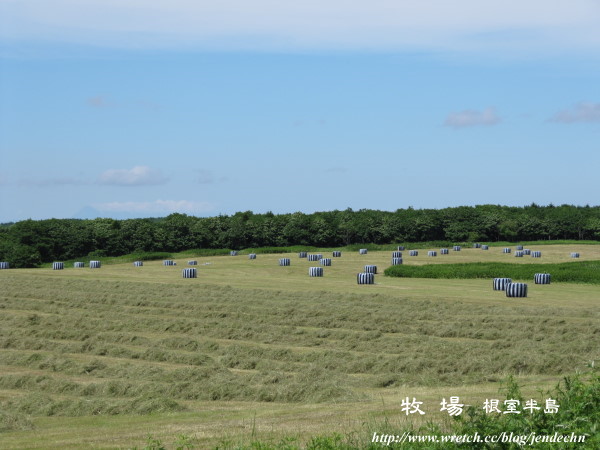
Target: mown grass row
571, 272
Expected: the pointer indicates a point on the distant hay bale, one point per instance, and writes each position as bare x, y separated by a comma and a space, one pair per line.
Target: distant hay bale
369, 268
302, 254
396, 254
78, 264
192, 263
456, 248
95, 264
536, 254
476, 245
516, 290
314, 257
519, 247
365, 278
396, 261
501, 283
315, 271
58, 265
401, 248
541, 278
431, 253
526, 251
336, 254
413, 253
362, 251
168, 262
519, 253
4, 265
506, 250
190, 272
233, 253
325, 261
444, 251
138, 263
574, 255
485, 247
285, 261
251, 255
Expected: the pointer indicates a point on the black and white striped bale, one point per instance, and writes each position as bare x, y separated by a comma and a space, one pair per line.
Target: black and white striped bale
58, 265
369, 268
78, 264
251, 255
233, 253
362, 251
476, 245
516, 290
485, 247
574, 255
95, 264
456, 248
519, 253
336, 254
138, 263
314, 257
431, 253
401, 248
536, 254
302, 254
396, 261
190, 272
365, 278
192, 263
4, 265
506, 250
413, 253
315, 271
396, 254
519, 247
541, 278
444, 251
285, 262
501, 283
168, 262
526, 251
325, 261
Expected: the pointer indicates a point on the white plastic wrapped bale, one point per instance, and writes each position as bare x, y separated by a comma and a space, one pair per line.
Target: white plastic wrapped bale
95, 264
541, 278
314, 257
396, 254
456, 248
485, 247
302, 254
501, 283
192, 263
413, 253
285, 261
315, 271
516, 290
168, 262
519, 253
190, 272
536, 254
325, 261
336, 254
233, 253
138, 263
574, 255
4, 265
78, 264
506, 250
251, 255
58, 265
444, 251
370, 268
365, 278
431, 253
396, 261
362, 251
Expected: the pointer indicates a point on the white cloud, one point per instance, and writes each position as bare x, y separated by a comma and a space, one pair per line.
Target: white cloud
275, 24
582, 112
157, 206
137, 176
470, 118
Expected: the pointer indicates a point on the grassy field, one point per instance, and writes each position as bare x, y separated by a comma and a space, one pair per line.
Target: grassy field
251, 350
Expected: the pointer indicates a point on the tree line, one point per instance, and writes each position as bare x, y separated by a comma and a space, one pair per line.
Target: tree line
29, 243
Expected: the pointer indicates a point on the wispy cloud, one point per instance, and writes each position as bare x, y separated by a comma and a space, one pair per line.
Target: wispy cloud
99, 101
156, 206
582, 112
471, 118
137, 176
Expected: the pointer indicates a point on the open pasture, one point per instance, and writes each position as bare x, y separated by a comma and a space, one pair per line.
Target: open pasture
250, 349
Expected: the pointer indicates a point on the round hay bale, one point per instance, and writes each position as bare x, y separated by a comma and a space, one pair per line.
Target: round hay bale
190, 272
413, 253
192, 263
541, 278
401, 248
362, 251
315, 271
369, 268
431, 253
519, 247
325, 261
168, 262
4, 265
536, 254
138, 263
456, 248
302, 254
251, 255
285, 262
78, 264
501, 283
506, 250
396, 261
485, 247
365, 278
444, 251
519, 254
396, 254
314, 257
476, 245
58, 265
95, 264
574, 255
526, 251
336, 254
233, 253
516, 290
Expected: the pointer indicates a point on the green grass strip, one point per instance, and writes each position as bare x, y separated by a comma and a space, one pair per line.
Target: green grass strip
571, 272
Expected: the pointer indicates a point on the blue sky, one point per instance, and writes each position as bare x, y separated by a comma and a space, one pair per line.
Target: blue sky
140, 109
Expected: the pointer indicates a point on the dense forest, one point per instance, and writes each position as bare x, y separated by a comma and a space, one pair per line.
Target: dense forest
28, 243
